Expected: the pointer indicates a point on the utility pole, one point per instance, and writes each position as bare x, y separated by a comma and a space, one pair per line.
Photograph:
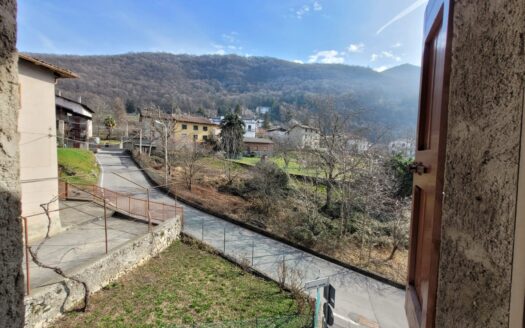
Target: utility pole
140, 141
165, 150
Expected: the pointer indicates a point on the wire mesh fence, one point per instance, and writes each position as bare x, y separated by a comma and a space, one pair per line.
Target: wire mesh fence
289, 321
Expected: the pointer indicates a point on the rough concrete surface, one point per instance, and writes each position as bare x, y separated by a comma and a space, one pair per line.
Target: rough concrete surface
82, 242
46, 304
11, 277
482, 157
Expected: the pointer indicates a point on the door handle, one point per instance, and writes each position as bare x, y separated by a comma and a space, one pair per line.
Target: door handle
417, 167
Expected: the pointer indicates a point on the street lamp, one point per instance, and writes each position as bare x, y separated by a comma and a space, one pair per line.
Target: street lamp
165, 150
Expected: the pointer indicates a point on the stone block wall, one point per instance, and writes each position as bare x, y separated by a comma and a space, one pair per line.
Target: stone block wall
11, 276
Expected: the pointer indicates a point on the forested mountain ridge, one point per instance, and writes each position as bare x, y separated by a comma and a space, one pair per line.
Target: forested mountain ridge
212, 82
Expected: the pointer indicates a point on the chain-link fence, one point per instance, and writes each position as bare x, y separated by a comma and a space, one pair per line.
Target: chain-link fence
290, 321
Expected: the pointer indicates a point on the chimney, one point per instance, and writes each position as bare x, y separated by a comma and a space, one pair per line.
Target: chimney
79, 99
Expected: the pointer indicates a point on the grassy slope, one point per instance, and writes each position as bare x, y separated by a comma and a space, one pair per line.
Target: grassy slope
293, 168
184, 285
78, 165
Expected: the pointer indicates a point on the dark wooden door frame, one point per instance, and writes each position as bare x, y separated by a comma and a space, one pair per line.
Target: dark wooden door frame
420, 302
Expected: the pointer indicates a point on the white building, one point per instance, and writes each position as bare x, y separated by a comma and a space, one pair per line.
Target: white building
261, 110
250, 128
38, 143
406, 147
304, 136
358, 144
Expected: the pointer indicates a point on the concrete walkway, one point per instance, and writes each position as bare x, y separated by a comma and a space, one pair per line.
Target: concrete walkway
360, 300
81, 242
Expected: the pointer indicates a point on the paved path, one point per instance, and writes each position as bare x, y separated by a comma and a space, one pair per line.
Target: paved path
360, 301
81, 242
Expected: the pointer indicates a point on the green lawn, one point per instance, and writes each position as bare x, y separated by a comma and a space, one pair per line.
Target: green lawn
183, 286
293, 167
78, 165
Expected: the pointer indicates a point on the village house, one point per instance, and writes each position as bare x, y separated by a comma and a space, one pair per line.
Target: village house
404, 147
258, 146
358, 144
182, 128
250, 128
277, 133
74, 122
304, 136
38, 142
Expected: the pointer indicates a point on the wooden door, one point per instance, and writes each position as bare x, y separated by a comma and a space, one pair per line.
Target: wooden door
428, 169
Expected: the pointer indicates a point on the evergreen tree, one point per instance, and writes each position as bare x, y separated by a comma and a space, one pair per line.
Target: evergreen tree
266, 122
238, 110
232, 131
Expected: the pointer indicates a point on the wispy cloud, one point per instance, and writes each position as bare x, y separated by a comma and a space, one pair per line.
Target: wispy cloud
385, 54
397, 45
355, 47
299, 13
297, 61
326, 57
229, 43
307, 9
231, 37
381, 68
46, 42
402, 14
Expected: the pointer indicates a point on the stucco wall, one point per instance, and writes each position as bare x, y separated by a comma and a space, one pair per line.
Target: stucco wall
482, 157
38, 154
11, 277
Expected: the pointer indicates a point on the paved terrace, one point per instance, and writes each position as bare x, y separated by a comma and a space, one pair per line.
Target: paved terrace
360, 300
82, 241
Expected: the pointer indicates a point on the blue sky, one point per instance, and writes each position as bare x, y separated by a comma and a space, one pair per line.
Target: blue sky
374, 33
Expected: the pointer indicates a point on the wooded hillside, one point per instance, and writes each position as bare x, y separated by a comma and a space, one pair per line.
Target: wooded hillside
207, 84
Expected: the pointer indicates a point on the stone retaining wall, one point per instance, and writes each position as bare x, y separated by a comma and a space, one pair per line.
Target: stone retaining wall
46, 304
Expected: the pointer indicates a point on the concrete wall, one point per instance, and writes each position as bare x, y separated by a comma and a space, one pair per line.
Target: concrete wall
482, 162
38, 154
48, 303
11, 277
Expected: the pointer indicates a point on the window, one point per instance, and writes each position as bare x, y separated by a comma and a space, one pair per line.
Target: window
195, 128
184, 126
204, 138
195, 137
249, 127
204, 128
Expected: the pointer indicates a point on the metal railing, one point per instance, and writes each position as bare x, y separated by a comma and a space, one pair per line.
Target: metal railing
141, 208
138, 208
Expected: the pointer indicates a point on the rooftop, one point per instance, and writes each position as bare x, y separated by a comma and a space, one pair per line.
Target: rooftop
72, 105
258, 140
59, 71
157, 113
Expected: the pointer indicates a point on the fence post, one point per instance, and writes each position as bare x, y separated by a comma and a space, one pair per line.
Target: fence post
253, 249
105, 225
202, 229
224, 239
28, 279
149, 216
